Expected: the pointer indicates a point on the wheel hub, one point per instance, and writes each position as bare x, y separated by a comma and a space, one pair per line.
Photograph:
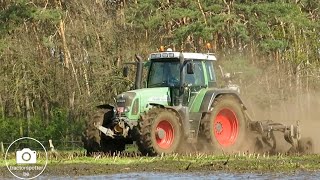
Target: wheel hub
164, 134
161, 133
219, 127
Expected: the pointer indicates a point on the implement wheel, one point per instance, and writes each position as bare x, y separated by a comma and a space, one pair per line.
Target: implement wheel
159, 132
225, 126
305, 146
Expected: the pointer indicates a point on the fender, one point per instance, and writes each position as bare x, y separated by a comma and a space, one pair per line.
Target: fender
211, 95
109, 115
183, 114
173, 108
105, 106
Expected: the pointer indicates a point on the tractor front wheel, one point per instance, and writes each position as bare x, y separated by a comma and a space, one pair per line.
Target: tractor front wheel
111, 146
159, 132
94, 141
225, 126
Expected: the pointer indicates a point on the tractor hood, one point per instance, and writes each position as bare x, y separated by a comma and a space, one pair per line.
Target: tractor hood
153, 95
135, 101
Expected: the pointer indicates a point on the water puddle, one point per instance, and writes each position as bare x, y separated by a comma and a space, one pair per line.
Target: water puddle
194, 176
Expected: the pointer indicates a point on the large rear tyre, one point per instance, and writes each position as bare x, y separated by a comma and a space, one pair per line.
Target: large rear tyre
159, 132
225, 126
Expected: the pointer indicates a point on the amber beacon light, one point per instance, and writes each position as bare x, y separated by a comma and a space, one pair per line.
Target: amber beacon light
208, 46
161, 48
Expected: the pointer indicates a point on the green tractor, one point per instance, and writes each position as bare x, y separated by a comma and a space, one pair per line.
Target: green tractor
181, 104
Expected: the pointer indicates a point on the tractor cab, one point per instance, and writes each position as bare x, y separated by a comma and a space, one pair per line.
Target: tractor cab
195, 68
184, 74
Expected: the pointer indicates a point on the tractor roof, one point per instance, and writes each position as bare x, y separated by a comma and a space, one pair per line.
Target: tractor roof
199, 56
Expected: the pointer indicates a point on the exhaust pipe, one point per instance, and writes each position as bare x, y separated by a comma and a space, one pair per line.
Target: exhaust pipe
139, 65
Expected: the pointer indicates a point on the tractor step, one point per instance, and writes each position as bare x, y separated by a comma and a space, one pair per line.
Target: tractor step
192, 136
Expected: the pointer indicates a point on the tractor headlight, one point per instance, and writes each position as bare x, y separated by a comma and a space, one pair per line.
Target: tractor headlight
164, 55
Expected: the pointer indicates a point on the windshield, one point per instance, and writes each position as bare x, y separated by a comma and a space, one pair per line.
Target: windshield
166, 73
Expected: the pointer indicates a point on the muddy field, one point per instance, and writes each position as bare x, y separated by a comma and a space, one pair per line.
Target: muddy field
200, 163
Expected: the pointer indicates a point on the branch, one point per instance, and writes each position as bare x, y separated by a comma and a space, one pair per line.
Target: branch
203, 14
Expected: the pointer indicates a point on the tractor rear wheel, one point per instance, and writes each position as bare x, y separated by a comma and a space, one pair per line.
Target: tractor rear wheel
159, 132
225, 126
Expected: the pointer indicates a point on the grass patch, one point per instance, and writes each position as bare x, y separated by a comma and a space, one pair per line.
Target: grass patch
176, 163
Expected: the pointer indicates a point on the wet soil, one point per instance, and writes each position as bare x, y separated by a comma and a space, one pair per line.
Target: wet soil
224, 164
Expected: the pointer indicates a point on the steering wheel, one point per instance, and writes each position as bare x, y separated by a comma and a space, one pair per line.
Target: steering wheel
173, 81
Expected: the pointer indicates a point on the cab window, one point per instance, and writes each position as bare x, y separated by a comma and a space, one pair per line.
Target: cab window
196, 79
210, 73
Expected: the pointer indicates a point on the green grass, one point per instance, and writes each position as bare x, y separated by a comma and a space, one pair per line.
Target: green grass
237, 162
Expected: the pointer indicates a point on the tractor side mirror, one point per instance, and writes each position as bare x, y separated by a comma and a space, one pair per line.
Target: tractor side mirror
190, 68
125, 71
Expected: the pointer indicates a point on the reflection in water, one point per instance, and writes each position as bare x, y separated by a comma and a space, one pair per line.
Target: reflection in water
197, 176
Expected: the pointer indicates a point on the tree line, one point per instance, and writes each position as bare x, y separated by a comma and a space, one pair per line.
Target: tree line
61, 58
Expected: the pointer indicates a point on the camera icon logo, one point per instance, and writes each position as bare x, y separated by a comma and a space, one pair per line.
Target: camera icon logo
26, 156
